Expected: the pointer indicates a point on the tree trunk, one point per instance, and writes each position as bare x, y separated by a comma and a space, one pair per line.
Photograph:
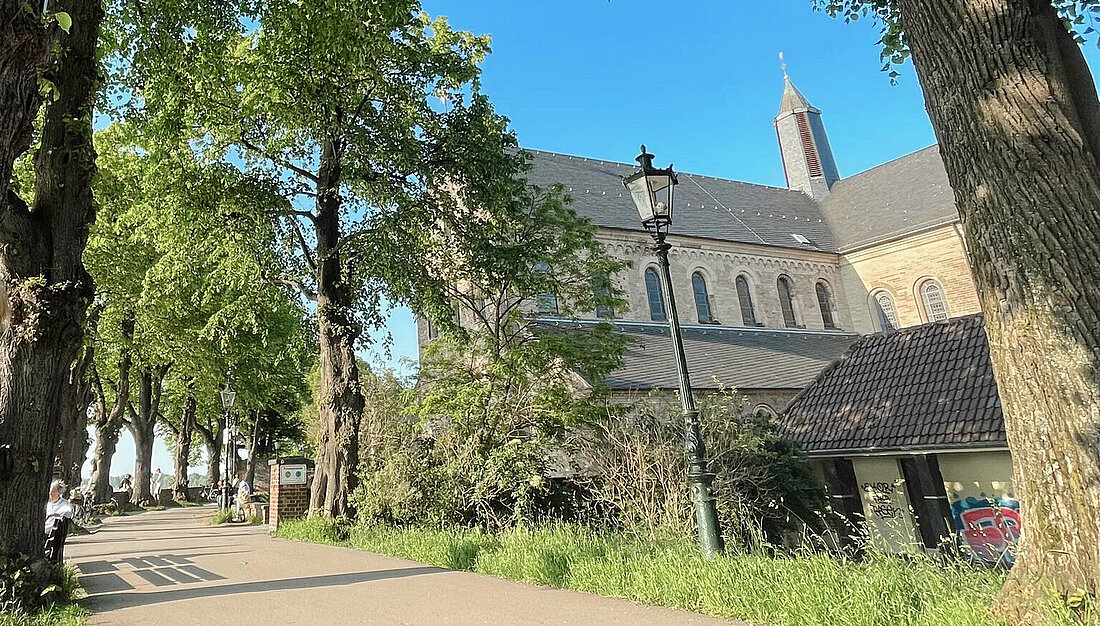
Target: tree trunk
143, 419
253, 448
183, 448
211, 440
1016, 114
75, 401
340, 398
42, 270
108, 423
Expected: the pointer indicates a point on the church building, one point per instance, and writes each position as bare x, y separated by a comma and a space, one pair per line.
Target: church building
775, 284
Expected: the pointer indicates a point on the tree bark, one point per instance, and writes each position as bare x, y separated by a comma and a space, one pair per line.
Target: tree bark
340, 397
40, 250
1015, 111
143, 419
78, 397
183, 448
253, 448
108, 422
211, 440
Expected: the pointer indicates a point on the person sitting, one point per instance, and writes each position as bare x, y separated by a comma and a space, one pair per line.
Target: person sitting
57, 507
243, 494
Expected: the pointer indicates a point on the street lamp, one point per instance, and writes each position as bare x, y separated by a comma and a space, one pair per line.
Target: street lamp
652, 191
229, 396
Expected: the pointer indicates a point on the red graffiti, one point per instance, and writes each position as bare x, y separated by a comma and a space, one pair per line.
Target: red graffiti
991, 532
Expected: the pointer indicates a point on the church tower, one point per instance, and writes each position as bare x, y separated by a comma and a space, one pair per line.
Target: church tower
803, 144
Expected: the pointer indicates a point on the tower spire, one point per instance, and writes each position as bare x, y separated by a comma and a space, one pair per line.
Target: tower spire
807, 158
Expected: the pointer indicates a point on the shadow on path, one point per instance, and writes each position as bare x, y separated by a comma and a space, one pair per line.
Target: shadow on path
123, 599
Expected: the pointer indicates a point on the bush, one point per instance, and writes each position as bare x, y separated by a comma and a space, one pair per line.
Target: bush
634, 459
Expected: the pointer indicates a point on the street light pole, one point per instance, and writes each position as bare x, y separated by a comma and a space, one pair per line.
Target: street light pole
229, 396
646, 187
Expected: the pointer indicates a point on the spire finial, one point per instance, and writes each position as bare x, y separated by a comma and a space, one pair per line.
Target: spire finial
783, 66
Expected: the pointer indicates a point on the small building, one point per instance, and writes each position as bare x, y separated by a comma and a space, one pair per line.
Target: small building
906, 431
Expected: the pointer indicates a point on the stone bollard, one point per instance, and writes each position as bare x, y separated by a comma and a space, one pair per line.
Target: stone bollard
290, 478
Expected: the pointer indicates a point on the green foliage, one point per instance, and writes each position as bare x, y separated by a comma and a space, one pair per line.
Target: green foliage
1078, 17
28, 585
796, 590
633, 457
58, 615
223, 516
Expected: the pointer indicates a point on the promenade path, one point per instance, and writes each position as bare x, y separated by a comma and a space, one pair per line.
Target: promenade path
172, 567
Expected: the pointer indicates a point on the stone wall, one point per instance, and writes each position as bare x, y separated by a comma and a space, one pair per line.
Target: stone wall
720, 263
288, 501
900, 267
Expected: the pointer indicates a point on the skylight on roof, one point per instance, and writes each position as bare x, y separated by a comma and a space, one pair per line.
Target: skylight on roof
801, 239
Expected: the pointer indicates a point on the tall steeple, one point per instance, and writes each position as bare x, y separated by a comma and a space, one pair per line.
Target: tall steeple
803, 144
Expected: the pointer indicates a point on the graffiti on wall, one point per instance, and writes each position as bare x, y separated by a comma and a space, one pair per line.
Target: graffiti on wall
990, 527
880, 497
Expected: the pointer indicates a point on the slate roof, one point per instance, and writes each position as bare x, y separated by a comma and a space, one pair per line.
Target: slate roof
708, 207
742, 358
793, 100
923, 387
898, 197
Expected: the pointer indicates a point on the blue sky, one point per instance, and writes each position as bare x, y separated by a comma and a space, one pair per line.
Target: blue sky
699, 85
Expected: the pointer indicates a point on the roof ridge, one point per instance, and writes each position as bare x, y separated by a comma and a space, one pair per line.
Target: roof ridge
690, 174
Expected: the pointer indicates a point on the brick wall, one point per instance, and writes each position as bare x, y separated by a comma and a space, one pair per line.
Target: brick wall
288, 501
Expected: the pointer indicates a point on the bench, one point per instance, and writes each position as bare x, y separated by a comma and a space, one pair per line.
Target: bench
55, 540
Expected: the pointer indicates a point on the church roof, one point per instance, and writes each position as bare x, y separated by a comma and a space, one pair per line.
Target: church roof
707, 207
902, 196
924, 387
741, 358
793, 100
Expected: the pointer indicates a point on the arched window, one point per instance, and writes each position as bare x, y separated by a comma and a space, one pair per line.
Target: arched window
702, 298
764, 411
935, 304
786, 302
885, 312
825, 303
656, 298
744, 298
601, 288
547, 301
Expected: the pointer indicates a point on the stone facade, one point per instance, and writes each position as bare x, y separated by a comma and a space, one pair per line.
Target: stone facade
720, 263
900, 267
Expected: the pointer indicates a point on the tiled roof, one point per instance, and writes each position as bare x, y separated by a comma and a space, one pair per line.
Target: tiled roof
899, 197
903, 196
708, 207
741, 358
925, 387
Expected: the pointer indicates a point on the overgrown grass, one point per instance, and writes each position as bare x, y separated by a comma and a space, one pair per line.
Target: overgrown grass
795, 591
223, 516
63, 615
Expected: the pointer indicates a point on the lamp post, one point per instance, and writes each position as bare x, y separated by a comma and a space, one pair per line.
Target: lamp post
652, 189
229, 396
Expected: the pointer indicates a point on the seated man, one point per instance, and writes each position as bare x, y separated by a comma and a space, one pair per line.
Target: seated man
57, 506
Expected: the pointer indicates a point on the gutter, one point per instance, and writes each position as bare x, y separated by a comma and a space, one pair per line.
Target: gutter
904, 450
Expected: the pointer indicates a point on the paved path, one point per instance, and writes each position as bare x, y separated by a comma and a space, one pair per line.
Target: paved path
172, 567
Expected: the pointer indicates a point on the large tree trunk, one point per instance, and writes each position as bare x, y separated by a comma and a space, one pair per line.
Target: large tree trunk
1016, 114
75, 401
143, 420
339, 398
108, 422
253, 448
211, 440
183, 448
40, 250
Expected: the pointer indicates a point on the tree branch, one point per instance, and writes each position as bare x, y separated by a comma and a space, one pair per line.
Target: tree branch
304, 173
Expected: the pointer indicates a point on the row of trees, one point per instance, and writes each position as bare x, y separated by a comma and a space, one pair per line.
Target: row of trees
353, 138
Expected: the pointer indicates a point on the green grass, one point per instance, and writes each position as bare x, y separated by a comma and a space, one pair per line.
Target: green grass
65, 615
223, 516
795, 591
